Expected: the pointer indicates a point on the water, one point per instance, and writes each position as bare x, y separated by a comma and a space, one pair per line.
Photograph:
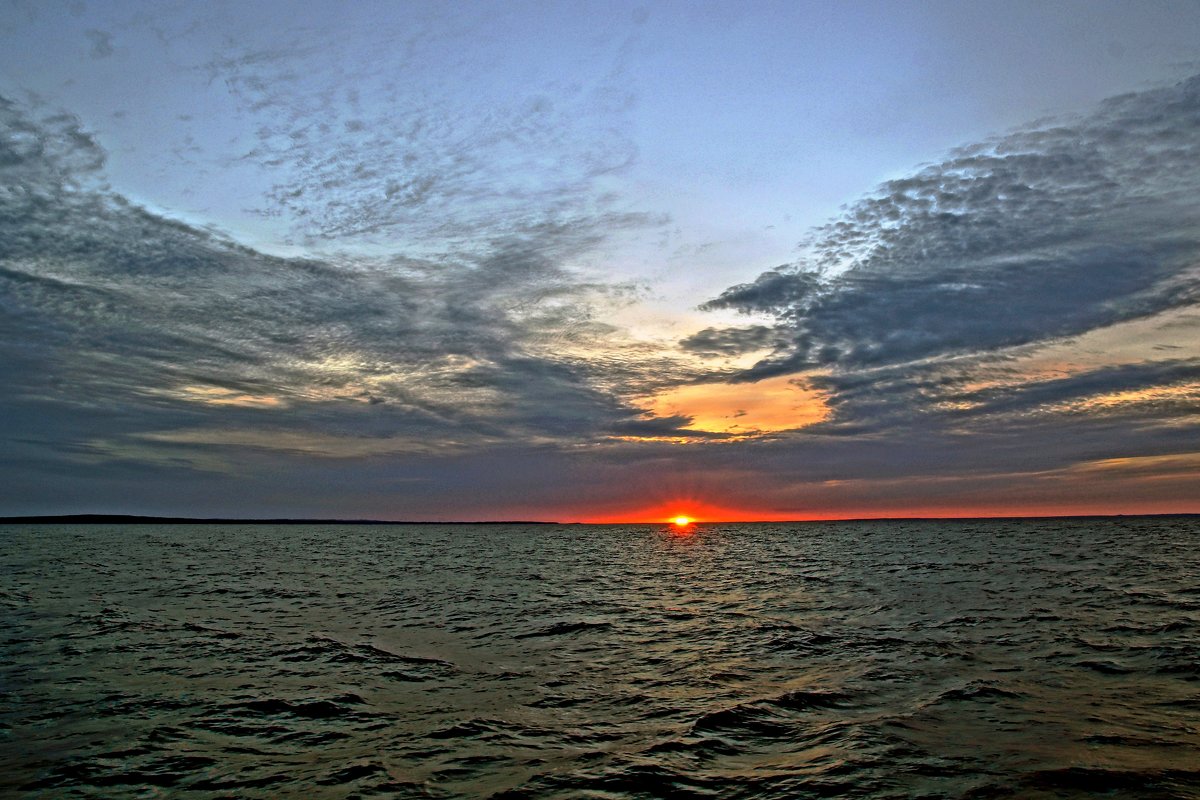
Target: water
1054, 658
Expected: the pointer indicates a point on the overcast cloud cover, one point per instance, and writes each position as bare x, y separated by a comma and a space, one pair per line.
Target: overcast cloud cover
436, 317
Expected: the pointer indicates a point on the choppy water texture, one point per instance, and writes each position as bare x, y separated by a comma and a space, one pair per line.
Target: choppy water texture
1053, 658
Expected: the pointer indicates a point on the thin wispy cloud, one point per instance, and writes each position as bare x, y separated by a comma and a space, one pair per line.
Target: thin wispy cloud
366, 152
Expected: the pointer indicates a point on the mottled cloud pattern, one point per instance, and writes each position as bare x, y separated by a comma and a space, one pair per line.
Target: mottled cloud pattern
123, 323
359, 149
1042, 233
929, 284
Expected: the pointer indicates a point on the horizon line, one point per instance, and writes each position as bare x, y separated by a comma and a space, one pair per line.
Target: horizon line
135, 519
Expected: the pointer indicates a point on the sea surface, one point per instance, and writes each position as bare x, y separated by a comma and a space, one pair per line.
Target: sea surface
981, 659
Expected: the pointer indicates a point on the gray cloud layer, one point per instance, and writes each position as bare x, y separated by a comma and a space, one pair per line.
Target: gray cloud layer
119, 324
1043, 233
915, 310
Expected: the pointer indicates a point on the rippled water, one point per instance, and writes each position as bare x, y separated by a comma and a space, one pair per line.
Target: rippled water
1053, 658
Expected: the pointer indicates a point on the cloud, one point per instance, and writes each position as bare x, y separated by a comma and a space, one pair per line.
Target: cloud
101, 43
1044, 233
718, 342
356, 148
1172, 386
938, 302
126, 333
982, 397
776, 291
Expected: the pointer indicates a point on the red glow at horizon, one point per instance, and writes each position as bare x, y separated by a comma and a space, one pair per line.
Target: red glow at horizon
699, 513
692, 510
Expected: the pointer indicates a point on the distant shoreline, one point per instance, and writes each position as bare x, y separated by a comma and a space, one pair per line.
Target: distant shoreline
134, 519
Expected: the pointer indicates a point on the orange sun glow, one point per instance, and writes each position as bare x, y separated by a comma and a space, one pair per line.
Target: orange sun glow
682, 521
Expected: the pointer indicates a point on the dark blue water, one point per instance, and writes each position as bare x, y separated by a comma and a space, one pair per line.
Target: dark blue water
1054, 658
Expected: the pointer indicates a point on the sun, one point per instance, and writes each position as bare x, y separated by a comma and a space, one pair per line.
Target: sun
682, 521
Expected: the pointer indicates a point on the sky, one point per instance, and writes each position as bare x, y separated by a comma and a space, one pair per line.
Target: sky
599, 262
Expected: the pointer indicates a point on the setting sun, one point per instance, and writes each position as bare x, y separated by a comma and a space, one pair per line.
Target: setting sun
682, 521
